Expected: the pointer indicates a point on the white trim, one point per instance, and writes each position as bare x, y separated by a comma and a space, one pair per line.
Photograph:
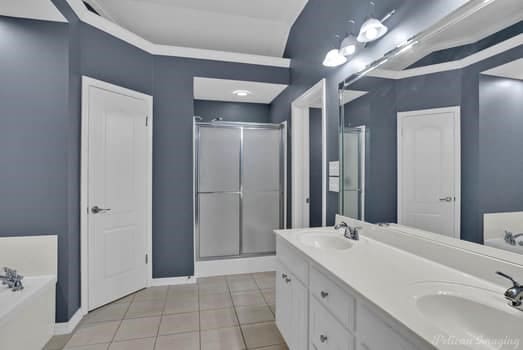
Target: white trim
453, 65
285, 172
299, 113
84, 203
172, 281
176, 51
456, 111
235, 266
62, 328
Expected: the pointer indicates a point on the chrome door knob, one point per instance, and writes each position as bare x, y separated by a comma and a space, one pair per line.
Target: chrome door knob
96, 210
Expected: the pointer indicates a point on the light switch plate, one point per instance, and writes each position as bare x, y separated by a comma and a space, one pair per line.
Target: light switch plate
334, 168
334, 184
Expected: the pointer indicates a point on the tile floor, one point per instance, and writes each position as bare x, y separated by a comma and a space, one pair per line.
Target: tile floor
218, 313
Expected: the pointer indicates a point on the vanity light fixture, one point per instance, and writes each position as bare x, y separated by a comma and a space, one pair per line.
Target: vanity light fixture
373, 28
334, 57
350, 44
241, 93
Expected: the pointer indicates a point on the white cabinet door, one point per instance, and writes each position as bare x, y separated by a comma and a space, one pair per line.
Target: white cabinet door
300, 312
326, 333
283, 305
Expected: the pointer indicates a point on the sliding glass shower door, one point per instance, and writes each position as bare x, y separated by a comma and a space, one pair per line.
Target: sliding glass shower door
239, 190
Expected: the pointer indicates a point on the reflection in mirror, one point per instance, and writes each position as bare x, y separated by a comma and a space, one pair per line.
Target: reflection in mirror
432, 139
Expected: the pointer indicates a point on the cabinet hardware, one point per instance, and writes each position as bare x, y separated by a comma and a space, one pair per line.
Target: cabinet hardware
283, 276
324, 294
287, 280
323, 338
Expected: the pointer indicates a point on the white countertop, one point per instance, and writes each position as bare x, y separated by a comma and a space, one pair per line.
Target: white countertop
386, 276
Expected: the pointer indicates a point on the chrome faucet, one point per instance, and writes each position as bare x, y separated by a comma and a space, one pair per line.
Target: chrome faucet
12, 279
350, 232
515, 293
510, 238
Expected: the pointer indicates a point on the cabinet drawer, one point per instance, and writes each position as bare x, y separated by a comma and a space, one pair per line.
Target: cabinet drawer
334, 298
292, 261
326, 333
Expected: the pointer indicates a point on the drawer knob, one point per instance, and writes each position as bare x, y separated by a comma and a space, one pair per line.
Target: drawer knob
283, 276
323, 338
324, 294
287, 280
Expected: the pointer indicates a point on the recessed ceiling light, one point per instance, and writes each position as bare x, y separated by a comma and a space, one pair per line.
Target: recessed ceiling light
241, 93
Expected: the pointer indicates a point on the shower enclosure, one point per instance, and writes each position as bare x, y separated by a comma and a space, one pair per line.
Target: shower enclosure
238, 188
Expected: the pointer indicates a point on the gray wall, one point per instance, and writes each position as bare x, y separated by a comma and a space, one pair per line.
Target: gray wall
232, 111
315, 166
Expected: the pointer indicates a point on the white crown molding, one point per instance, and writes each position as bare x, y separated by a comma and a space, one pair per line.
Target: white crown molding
453, 65
176, 51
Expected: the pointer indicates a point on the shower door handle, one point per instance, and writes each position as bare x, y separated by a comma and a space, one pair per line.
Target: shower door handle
446, 199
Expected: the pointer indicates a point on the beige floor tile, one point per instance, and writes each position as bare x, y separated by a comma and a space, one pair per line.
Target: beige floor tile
126, 299
241, 276
153, 293
180, 323
211, 288
57, 342
145, 308
138, 328
211, 280
254, 314
111, 312
96, 333
212, 319
269, 295
89, 347
274, 347
184, 341
248, 298
267, 274
182, 291
273, 308
215, 301
266, 283
240, 285
222, 339
136, 344
261, 335
182, 304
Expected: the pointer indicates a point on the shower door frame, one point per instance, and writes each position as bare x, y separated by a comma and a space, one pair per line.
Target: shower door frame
282, 183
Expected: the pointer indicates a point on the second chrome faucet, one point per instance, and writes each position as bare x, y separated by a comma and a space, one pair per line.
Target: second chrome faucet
350, 232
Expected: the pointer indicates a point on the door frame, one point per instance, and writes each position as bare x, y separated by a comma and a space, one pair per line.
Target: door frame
88, 82
456, 111
300, 151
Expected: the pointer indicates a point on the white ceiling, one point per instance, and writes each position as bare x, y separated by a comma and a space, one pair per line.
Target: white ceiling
222, 90
512, 70
34, 9
246, 26
495, 16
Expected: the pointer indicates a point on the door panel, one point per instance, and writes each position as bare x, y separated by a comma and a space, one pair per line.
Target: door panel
117, 181
261, 215
219, 224
219, 159
261, 160
428, 160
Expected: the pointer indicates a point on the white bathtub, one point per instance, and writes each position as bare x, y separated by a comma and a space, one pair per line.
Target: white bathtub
27, 317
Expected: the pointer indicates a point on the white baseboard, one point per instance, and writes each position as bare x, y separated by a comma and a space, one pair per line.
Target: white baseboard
235, 266
68, 327
171, 281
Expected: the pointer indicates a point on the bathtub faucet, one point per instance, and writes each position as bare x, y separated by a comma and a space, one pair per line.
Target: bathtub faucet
12, 279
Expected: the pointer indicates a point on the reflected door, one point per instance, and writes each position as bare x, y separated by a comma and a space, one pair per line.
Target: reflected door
428, 166
354, 172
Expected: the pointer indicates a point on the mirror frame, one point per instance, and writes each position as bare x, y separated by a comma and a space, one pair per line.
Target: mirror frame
453, 18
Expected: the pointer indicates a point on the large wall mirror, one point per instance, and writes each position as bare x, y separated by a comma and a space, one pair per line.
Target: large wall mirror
432, 133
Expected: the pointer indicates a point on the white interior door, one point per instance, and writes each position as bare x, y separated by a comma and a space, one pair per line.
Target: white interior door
117, 194
429, 170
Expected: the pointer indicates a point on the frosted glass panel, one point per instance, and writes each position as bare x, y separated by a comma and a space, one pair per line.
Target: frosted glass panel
261, 215
261, 160
219, 216
219, 159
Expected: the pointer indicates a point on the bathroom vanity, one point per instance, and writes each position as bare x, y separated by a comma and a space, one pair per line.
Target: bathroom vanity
336, 293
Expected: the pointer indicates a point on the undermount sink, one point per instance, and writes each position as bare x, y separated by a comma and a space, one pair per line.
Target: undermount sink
474, 317
325, 241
